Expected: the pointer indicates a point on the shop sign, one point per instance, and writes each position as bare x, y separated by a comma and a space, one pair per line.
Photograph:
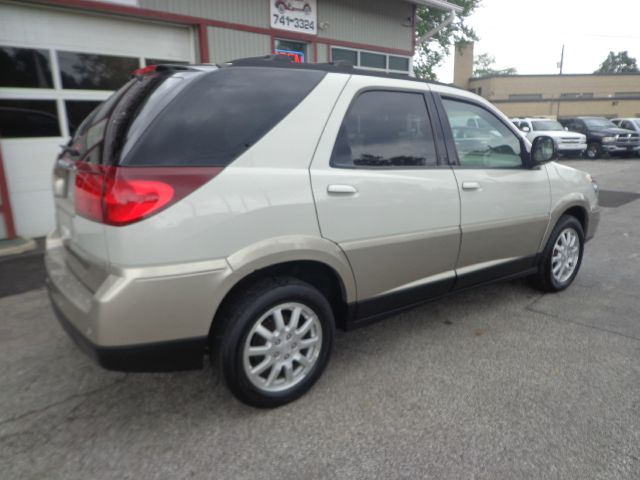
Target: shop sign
295, 16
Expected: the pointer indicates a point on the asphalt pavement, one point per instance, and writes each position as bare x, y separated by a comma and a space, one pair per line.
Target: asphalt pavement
500, 382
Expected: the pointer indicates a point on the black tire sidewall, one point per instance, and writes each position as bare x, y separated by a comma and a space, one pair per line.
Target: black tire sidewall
550, 281
240, 325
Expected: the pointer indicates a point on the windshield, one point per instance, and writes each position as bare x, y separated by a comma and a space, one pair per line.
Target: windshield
599, 123
547, 125
637, 122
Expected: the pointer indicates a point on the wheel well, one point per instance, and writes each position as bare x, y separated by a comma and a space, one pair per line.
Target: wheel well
317, 274
580, 214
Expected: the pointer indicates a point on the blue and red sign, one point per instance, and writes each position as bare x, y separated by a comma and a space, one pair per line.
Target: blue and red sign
296, 57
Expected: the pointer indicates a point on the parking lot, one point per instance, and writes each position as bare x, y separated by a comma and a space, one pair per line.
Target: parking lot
495, 383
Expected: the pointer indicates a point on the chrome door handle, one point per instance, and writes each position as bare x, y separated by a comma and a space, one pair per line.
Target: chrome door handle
343, 189
470, 186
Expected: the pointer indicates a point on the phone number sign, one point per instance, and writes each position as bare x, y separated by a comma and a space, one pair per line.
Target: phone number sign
295, 16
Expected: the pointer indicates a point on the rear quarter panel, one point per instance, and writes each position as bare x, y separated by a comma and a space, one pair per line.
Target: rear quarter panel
263, 194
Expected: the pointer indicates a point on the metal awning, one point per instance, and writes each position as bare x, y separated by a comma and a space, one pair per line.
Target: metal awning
439, 4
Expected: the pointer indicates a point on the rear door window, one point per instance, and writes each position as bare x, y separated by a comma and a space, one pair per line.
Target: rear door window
220, 116
385, 129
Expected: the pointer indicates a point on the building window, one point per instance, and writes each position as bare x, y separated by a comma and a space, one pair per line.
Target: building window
342, 54
86, 71
577, 95
372, 60
28, 118
25, 68
297, 51
525, 96
627, 94
160, 61
398, 63
77, 111
385, 129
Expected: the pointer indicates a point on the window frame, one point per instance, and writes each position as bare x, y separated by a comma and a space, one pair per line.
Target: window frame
437, 134
452, 149
374, 69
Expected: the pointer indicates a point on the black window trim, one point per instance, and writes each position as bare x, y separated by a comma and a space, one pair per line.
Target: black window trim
437, 133
452, 150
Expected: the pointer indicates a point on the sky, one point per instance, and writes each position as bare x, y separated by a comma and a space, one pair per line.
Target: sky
528, 34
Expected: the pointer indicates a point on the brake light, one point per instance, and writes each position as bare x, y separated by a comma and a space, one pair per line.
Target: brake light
144, 70
123, 195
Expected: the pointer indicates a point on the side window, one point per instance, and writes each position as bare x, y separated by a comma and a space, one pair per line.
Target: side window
385, 129
627, 125
481, 139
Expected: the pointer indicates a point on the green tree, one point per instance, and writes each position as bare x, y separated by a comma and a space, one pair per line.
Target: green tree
430, 54
619, 62
483, 66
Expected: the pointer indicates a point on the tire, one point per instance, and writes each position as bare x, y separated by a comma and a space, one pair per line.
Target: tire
551, 278
299, 358
593, 151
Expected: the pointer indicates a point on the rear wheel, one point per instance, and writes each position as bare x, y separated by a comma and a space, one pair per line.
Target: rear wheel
562, 257
277, 341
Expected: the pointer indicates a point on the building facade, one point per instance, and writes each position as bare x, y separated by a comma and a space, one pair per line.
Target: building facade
60, 58
552, 95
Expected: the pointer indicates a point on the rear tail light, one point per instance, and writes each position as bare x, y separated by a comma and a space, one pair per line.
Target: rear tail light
124, 195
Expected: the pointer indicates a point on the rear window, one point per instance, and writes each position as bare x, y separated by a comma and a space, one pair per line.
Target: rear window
220, 116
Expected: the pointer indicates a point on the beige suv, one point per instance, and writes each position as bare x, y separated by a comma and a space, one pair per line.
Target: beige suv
247, 210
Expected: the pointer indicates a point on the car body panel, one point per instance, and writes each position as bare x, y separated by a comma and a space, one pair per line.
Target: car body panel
397, 216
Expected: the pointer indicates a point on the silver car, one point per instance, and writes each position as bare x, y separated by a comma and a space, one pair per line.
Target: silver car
245, 211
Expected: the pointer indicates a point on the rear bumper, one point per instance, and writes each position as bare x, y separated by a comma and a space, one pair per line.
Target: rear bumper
138, 319
185, 354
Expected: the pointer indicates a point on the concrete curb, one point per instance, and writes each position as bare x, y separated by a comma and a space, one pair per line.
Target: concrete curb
16, 246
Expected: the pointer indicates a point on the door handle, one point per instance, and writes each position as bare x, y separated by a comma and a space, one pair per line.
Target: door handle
343, 189
470, 186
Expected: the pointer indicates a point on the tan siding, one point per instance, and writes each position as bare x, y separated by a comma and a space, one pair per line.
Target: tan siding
225, 44
374, 22
246, 12
553, 86
626, 108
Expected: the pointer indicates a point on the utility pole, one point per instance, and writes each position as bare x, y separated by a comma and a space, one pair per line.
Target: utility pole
560, 65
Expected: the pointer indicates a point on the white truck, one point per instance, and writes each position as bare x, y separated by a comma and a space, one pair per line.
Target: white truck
569, 144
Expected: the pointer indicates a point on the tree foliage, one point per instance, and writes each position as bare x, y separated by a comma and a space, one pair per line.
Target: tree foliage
430, 54
619, 62
483, 66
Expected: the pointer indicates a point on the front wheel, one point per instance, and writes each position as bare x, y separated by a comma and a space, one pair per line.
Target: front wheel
593, 151
277, 342
562, 257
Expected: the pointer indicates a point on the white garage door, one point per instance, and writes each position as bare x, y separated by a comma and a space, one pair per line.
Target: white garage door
56, 65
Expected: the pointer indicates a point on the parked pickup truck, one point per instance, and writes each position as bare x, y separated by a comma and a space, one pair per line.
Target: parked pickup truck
603, 136
570, 144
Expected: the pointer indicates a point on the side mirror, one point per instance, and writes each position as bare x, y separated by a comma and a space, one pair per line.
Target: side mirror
525, 129
543, 150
